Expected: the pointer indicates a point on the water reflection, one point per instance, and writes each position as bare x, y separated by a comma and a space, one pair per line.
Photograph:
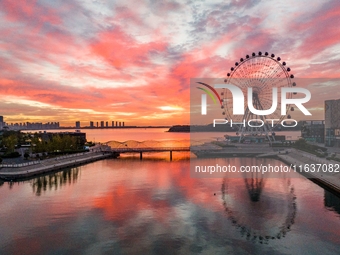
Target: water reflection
254, 186
55, 180
332, 202
155, 207
260, 213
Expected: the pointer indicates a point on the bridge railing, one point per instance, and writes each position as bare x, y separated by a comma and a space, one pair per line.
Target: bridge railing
151, 149
10, 165
47, 160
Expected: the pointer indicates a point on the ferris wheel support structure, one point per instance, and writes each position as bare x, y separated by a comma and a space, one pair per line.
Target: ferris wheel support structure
247, 129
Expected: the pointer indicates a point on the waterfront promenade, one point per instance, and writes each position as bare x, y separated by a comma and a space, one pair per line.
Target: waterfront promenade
53, 164
330, 179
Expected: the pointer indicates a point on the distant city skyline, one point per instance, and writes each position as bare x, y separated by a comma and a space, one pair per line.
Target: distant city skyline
56, 125
134, 61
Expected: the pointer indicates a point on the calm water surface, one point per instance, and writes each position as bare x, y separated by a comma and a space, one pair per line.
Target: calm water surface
127, 206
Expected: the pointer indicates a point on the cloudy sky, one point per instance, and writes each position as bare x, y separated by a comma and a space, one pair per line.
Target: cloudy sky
132, 60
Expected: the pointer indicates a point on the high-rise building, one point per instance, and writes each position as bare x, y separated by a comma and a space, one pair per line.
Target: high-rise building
313, 130
123, 123
2, 123
91, 124
107, 124
77, 124
102, 124
113, 123
332, 123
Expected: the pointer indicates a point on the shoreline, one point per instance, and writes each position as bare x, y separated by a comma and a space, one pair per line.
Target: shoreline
328, 180
45, 167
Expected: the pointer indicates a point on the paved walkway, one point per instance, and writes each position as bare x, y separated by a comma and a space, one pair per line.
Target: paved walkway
51, 165
326, 176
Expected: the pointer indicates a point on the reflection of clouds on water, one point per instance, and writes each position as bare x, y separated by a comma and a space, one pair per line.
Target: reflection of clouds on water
155, 207
185, 217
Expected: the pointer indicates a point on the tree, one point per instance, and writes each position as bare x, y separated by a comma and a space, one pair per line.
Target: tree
10, 142
56, 144
301, 143
38, 145
26, 155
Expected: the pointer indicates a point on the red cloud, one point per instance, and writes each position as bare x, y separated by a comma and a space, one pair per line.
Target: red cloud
121, 50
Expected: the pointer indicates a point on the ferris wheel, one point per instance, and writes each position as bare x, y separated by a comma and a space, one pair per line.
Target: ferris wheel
262, 72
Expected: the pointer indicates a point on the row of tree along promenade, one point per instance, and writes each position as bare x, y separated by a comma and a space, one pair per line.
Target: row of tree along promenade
23, 155
34, 146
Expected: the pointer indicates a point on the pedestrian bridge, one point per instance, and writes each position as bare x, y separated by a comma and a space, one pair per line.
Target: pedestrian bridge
133, 146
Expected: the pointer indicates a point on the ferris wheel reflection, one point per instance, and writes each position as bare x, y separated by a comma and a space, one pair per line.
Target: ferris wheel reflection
260, 208
254, 186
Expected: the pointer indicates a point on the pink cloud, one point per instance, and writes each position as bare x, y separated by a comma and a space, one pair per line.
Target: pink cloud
29, 11
319, 32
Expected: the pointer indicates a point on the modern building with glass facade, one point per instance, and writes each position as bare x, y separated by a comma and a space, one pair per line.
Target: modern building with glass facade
332, 123
313, 130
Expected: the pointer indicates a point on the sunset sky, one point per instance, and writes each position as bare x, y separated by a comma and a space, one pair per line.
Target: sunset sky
132, 60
